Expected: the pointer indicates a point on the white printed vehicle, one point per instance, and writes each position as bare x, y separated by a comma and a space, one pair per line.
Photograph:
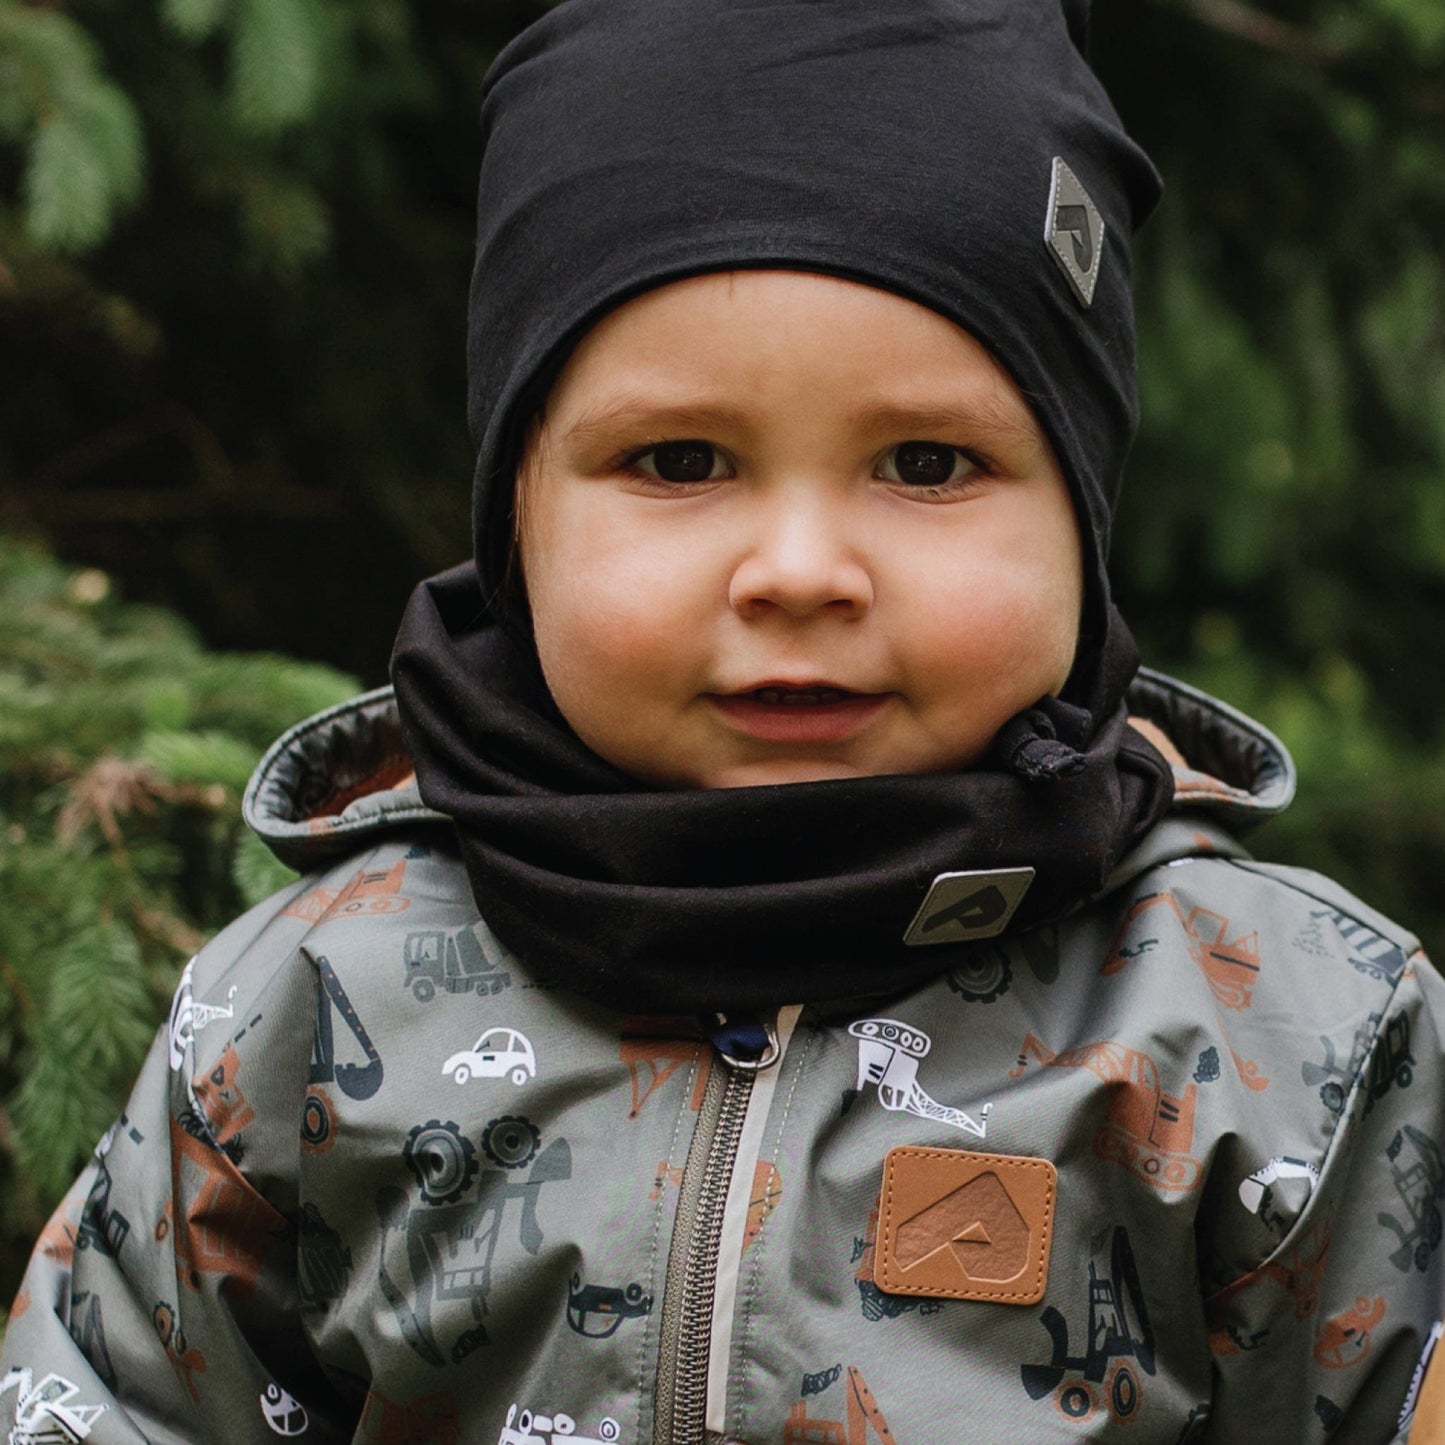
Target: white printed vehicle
538, 1429
498, 1053
48, 1413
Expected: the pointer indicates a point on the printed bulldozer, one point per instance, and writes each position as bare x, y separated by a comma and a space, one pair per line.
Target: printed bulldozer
1118, 1339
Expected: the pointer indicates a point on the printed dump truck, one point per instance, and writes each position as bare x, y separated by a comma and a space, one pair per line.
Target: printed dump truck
456, 962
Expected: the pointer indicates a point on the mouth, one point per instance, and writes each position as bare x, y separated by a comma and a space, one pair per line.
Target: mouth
780, 695
813, 712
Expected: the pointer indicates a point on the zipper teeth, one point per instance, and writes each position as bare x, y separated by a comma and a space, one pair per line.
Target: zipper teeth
700, 1268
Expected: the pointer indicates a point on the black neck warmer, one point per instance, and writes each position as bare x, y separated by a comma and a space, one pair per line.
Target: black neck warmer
743, 898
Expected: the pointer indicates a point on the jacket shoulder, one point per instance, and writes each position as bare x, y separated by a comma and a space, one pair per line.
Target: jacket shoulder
1321, 891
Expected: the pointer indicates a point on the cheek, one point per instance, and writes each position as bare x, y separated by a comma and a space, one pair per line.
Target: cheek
603, 610
1005, 618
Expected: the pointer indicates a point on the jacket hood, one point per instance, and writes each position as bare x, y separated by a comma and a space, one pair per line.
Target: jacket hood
340, 779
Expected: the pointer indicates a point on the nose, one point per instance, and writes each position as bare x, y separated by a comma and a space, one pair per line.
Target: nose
800, 562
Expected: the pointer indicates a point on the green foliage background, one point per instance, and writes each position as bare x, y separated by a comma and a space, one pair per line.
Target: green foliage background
235, 240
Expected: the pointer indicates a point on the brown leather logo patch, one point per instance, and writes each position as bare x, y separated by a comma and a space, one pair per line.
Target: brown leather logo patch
953, 1224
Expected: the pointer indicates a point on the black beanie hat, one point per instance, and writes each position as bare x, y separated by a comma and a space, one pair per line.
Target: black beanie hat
957, 152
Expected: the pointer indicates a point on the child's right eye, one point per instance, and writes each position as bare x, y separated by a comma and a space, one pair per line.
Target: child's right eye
686, 461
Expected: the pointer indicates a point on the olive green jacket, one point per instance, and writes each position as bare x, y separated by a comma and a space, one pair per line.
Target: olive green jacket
1169, 1171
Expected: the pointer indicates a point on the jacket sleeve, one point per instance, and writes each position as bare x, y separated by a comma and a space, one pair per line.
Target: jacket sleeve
1327, 1337
160, 1303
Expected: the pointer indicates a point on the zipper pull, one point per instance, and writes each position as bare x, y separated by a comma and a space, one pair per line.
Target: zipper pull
748, 1045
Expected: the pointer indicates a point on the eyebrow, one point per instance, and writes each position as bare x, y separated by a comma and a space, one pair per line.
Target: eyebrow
991, 414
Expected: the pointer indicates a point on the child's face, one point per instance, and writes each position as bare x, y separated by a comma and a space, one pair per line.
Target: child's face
779, 527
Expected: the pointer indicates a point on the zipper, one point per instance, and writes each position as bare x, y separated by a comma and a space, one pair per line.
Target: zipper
685, 1331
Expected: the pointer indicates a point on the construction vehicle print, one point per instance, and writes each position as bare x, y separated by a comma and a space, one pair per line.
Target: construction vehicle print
1118, 1343
356, 1081
283, 1413
323, 1262
47, 1413
1369, 951
1344, 1339
226, 1227
433, 1419
185, 1358
1391, 1065
888, 1055
188, 1018
1230, 965
102, 1228
875, 1304
365, 894
528, 1428
984, 976
653, 1053
862, 1419
1146, 1130
217, 1096
598, 1310
439, 1252
1298, 1271
1419, 1178
455, 962
1333, 1078
1279, 1191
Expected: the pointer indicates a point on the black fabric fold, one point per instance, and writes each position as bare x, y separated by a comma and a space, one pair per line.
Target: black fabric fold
738, 898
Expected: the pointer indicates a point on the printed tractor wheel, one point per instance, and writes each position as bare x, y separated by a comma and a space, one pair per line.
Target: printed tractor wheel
442, 1160
1075, 1401
609, 1430
632, 1293
424, 990
1333, 1097
1403, 1076
461, 1073
1123, 1392
563, 1424
983, 978
519, 1075
318, 1123
511, 1141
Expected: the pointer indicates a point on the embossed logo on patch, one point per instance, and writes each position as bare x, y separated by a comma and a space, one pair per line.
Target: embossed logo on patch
1074, 231
965, 907
954, 1224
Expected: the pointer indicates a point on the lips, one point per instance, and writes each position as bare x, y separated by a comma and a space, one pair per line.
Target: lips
800, 696
798, 713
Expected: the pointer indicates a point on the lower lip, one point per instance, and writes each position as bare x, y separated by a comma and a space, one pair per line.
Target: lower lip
774, 722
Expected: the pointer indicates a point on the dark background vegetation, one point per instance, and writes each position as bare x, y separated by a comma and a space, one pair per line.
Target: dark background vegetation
235, 238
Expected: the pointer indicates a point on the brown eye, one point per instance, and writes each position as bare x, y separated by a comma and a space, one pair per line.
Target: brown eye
680, 462
926, 464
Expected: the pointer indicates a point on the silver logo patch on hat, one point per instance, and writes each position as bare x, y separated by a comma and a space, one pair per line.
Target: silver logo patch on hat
1074, 231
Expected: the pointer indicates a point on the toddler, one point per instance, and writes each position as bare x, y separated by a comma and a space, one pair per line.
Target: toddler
774, 970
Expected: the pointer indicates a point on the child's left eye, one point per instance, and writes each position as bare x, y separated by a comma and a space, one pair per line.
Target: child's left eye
925, 464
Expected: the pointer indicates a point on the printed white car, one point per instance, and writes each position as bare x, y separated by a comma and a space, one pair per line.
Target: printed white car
498, 1053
